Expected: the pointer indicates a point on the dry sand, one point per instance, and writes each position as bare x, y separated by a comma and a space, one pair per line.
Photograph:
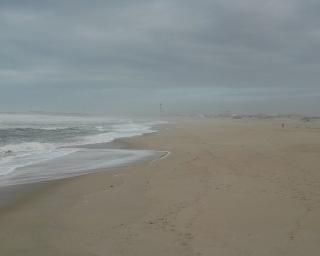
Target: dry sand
230, 187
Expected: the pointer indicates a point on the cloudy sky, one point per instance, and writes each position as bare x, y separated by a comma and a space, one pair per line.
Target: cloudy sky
121, 56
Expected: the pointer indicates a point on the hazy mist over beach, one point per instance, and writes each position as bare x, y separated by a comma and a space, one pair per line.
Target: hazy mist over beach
159, 127
125, 57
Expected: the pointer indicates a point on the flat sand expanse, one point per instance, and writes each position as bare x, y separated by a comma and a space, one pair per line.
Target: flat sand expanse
229, 187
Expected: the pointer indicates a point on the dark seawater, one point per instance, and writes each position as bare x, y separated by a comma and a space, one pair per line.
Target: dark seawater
36, 147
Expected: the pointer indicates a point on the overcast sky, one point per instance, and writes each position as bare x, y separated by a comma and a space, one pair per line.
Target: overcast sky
122, 56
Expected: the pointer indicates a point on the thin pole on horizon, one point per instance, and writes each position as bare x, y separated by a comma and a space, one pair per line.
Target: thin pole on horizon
160, 108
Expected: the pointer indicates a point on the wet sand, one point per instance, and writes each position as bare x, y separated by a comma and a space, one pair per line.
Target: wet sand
228, 187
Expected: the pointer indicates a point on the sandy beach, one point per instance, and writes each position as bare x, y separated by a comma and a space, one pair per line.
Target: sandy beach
228, 187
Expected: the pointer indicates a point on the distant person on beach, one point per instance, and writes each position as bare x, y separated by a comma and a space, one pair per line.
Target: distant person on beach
282, 125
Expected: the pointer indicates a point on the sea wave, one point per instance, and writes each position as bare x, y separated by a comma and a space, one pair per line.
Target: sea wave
25, 143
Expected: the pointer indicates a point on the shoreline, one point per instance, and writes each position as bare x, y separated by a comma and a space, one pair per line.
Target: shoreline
227, 188
12, 195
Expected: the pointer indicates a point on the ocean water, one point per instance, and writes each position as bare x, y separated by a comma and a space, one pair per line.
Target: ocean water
38, 147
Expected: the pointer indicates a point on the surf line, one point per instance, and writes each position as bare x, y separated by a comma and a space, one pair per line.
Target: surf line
164, 155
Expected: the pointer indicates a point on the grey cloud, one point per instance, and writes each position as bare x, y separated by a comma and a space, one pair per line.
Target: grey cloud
89, 46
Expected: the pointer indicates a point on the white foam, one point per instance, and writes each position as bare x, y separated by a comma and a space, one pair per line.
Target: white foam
18, 159
120, 131
81, 162
24, 154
